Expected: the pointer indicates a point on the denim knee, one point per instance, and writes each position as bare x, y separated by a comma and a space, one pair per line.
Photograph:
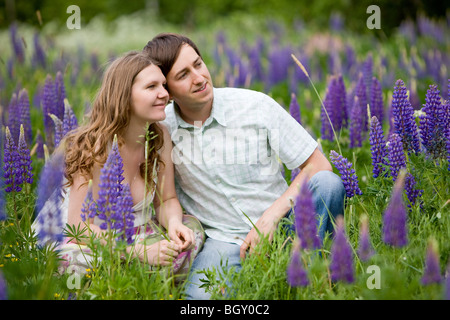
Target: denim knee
328, 196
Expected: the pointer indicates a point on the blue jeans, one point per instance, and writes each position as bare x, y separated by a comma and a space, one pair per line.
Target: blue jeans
328, 196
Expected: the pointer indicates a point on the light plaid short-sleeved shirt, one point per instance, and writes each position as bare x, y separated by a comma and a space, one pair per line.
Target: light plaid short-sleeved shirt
227, 171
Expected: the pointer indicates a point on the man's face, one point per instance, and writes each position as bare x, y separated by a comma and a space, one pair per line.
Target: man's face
189, 81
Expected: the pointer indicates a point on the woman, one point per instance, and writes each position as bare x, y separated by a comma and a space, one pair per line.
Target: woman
130, 101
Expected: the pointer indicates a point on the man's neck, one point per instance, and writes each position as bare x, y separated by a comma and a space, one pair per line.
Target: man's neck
194, 116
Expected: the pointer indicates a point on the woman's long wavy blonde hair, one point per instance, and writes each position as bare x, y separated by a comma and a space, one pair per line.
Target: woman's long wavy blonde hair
110, 115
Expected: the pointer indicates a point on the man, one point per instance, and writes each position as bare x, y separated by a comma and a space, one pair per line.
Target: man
227, 143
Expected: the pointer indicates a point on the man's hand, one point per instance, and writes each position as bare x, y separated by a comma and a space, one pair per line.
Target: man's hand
266, 225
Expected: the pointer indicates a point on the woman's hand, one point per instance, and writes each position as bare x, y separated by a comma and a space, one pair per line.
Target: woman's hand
161, 253
182, 235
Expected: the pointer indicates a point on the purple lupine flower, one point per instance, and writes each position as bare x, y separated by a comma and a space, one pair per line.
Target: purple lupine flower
448, 145
432, 272
306, 219
361, 93
58, 130
341, 266
48, 107
411, 191
331, 117
356, 124
110, 186
376, 100
396, 155
125, 217
60, 93
50, 224
25, 158
447, 283
255, 64
11, 165
433, 124
14, 117
3, 214
70, 121
40, 145
16, 42
89, 207
404, 122
24, 111
294, 173
296, 273
367, 73
395, 217
365, 249
341, 104
294, 108
279, 62
39, 57
377, 147
348, 175
3, 288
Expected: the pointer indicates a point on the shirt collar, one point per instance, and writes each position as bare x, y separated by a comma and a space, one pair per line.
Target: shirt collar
217, 113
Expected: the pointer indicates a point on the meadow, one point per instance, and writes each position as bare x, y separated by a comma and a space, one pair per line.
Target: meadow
378, 106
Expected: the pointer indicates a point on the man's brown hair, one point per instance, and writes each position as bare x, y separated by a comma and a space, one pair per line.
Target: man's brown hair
165, 48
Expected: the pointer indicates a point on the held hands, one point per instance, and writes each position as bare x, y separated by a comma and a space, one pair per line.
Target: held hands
161, 253
164, 252
181, 235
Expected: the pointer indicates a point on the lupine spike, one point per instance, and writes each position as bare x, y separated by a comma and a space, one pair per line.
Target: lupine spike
342, 265
433, 124
341, 103
58, 130
348, 174
14, 117
60, 93
411, 191
11, 164
395, 231
24, 111
356, 123
404, 123
50, 222
377, 147
396, 155
110, 186
294, 108
25, 158
447, 283
3, 214
306, 219
70, 121
365, 249
361, 93
48, 107
376, 100
296, 273
432, 272
329, 104
88, 210
3, 288
125, 215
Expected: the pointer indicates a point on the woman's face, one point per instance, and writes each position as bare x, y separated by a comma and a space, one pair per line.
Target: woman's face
149, 96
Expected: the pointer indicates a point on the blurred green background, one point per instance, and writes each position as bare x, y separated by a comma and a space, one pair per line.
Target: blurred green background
196, 13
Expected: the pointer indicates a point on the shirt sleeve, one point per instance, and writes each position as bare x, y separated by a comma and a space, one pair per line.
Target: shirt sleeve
287, 138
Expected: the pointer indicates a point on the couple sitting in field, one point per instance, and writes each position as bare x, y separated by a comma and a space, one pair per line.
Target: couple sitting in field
217, 152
